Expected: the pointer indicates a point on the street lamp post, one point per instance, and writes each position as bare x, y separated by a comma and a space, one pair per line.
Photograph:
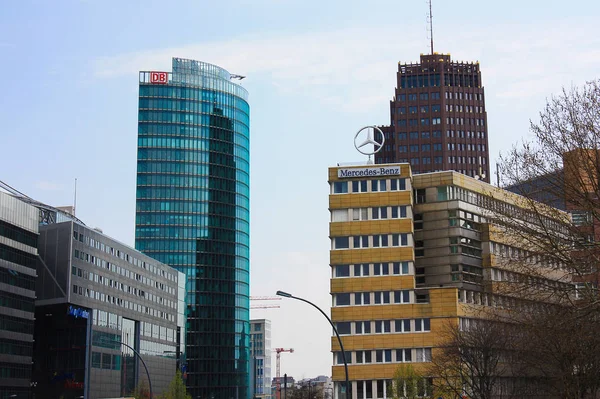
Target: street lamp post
288, 295
146, 368
143, 363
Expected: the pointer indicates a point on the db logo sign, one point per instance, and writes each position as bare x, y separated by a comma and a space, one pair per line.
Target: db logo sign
159, 77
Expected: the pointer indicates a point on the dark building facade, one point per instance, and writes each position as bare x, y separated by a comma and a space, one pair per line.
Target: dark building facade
438, 119
102, 308
18, 257
192, 212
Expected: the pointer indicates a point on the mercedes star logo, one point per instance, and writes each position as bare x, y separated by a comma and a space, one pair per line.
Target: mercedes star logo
369, 138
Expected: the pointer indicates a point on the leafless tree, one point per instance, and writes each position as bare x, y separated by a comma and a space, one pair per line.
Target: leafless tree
473, 361
560, 167
559, 348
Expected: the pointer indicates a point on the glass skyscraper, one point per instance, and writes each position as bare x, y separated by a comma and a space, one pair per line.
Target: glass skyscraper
192, 213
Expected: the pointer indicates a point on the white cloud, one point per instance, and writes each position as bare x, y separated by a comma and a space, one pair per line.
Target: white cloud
353, 68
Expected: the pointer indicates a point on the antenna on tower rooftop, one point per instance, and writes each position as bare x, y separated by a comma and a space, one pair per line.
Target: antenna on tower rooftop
430, 20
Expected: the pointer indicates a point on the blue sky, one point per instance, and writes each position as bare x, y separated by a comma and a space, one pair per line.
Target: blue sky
316, 72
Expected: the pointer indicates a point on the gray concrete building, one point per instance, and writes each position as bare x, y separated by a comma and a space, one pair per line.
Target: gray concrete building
18, 255
104, 312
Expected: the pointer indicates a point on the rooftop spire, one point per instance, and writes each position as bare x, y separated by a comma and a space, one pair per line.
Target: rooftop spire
430, 21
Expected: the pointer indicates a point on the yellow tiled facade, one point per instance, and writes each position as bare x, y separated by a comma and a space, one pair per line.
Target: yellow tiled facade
409, 255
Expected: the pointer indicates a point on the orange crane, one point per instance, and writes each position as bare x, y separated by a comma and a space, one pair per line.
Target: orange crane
278, 372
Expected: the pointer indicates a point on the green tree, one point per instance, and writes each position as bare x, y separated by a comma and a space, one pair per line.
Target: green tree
408, 383
177, 389
142, 391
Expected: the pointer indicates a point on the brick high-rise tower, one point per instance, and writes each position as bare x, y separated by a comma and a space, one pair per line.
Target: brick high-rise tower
438, 118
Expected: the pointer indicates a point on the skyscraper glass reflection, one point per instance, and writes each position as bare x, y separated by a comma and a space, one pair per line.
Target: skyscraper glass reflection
192, 213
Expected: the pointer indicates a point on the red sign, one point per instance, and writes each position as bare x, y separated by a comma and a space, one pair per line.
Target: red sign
159, 77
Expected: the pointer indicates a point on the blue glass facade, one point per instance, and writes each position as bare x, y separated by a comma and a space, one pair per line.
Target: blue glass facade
192, 213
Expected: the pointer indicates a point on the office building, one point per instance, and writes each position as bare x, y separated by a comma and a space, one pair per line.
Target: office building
192, 212
438, 118
104, 312
18, 257
260, 352
410, 254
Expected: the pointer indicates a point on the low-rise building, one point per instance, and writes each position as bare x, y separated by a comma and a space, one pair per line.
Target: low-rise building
106, 315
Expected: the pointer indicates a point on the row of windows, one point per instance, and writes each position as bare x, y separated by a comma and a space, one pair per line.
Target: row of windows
423, 161
419, 122
436, 96
375, 213
373, 298
16, 324
124, 256
372, 241
465, 121
120, 271
108, 282
17, 256
156, 348
422, 96
184, 168
383, 326
522, 255
183, 207
106, 361
464, 96
462, 134
224, 196
111, 299
415, 135
186, 131
198, 94
413, 81
422, 109
466, 147
220, 159
159, 332
190, 105
366, 186
380, 389
424, 147
14, 278
405, 355
13, 347
18, 234
18, 302
12, 370
372, 269
466, 108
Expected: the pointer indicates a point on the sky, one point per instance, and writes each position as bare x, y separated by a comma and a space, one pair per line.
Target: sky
316, 72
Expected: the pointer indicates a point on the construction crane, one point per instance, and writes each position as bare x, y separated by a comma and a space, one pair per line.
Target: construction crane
278, 368
264, 298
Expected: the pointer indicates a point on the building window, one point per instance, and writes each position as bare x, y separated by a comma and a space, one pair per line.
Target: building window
403, 355
422, 325
343, 328
342, 271
341, 242
401, 268
402, 296
342, 299
402, 325
340, 187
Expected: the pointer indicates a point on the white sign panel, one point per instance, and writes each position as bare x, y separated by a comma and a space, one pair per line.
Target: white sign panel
369, 172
